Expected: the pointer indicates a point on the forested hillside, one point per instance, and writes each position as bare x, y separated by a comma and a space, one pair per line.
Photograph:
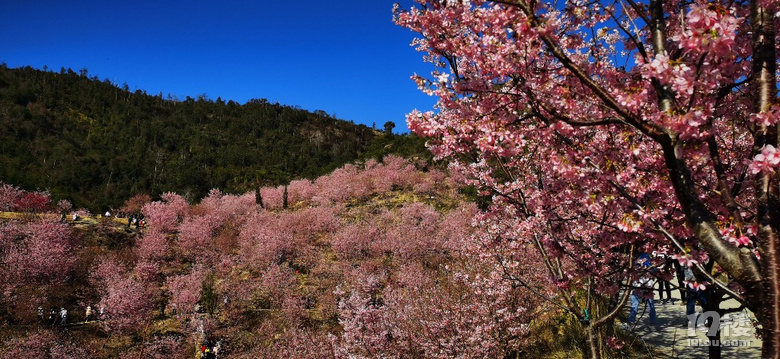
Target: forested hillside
96, 144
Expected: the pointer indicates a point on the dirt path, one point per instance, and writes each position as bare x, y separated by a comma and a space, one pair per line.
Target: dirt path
672, 338
68, 219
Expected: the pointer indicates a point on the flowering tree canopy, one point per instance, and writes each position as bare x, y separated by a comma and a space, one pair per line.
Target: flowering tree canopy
608, 128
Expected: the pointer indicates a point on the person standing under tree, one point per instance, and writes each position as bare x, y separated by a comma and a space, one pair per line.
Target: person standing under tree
694, 293
63, 316
643, 291
52, 316
663, 285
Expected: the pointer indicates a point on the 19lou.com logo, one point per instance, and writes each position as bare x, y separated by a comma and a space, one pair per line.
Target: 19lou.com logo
739, 325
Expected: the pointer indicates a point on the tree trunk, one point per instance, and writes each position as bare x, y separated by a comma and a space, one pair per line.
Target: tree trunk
593, 343
713, 304
714, 350
766, 184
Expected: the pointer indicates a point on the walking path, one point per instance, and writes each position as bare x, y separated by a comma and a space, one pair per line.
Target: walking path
673, 339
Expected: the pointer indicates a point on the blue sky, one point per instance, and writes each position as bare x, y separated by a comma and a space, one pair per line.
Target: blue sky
345, 57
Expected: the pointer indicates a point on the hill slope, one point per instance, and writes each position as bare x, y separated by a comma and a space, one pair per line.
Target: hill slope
95, 143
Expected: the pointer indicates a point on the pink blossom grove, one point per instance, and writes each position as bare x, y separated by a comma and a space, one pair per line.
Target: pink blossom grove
390, 265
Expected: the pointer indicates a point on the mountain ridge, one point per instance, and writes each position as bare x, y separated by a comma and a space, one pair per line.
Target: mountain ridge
95, 143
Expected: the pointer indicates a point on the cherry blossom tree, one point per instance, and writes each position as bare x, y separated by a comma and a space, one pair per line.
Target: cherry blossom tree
166, 214
414, 232
185, 290
263, 242
64, 206
9, 195
609, 128
195, 232
13, 198
136, 203
340, 185
37, 202
228, 208
36, 256
43, 253
301, 190
152, 245
273, 197
127, 300
354, 241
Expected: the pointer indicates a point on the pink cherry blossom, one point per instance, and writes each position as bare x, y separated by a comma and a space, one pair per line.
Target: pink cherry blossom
766, 161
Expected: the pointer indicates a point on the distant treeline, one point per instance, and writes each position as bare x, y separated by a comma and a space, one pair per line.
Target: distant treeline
97, 144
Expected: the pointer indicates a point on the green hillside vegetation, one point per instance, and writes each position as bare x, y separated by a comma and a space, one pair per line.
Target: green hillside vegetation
96, 144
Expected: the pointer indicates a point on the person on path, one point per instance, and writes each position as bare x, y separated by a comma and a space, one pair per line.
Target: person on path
217, 348
694, 294
207, 349
52, 316
88, 314
63, 316
663, 285
680, 274
643, 291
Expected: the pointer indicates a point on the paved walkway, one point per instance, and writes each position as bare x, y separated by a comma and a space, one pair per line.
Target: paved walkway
673, 339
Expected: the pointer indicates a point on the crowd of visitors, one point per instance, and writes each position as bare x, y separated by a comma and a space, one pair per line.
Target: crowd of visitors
59, 317
644, 287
